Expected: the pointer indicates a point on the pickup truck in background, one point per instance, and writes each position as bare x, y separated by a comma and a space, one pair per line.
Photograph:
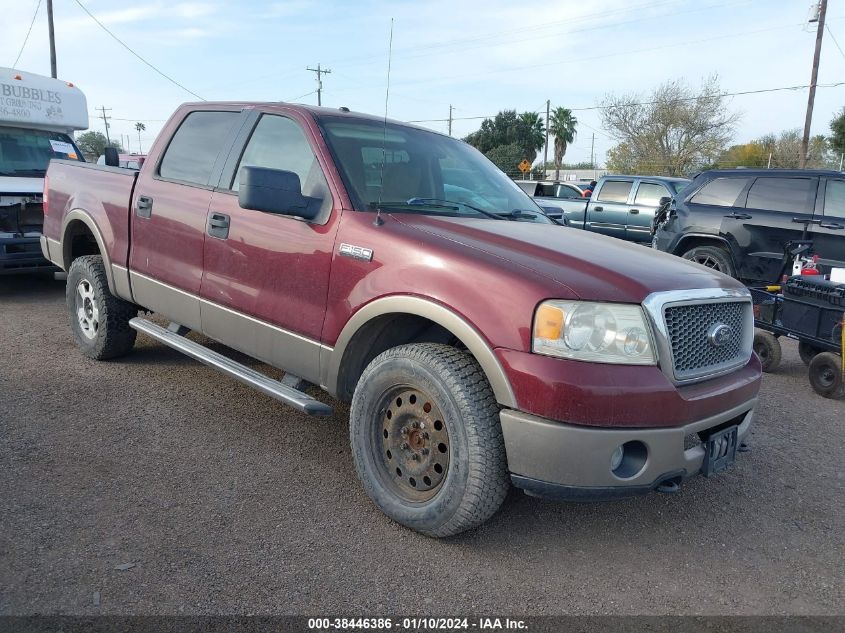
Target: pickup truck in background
399, 270
620, 206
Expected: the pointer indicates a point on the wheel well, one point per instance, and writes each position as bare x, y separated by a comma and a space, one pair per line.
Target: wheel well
379, 335
78, 241
695, 241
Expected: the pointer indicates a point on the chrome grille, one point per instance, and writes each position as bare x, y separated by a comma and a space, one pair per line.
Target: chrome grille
688, 327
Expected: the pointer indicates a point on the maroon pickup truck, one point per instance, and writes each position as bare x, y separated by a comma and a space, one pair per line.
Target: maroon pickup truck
480, 344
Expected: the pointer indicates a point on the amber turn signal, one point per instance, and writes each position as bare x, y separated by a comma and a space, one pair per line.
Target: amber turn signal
548, 323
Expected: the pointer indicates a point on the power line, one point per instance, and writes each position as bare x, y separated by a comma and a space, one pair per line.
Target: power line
300, 96
26, 39
829, 32
126, 46
718, 96
320, 72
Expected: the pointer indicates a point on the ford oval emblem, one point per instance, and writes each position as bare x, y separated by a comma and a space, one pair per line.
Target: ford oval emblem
720, 334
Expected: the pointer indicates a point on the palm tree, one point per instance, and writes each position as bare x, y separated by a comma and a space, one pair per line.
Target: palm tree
562, 125
532, 134
140, 127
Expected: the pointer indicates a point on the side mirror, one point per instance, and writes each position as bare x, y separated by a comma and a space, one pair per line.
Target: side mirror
274, 191
112, 157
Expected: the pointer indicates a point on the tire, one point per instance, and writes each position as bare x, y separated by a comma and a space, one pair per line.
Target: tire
98, 319
808, 352
713, 257
826, 374
432, 401
768, 349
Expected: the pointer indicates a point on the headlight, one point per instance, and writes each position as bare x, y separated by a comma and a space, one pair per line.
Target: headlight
596, 332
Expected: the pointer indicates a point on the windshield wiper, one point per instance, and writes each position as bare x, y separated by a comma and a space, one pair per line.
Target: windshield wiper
450, 204
24, 172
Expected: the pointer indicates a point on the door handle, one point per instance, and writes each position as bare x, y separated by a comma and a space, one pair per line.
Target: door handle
598, 208
218, 225
835, 227
144, 207
739, 216
634, 211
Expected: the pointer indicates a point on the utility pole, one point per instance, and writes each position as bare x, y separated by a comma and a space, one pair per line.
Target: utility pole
592, 152
103, 110
546, 148
320, 72
52, 38
450, 119
805, 140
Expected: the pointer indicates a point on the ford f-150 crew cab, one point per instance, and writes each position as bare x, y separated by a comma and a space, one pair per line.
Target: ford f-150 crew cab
479, 344
620, 206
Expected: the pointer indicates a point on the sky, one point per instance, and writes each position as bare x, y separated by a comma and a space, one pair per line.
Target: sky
478, 56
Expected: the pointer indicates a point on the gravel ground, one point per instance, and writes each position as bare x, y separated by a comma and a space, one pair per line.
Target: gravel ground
154, 485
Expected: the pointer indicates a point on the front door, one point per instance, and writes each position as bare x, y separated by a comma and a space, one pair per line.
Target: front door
607, 211
772, 215
266, 276
828, 234
169, 209
641, 212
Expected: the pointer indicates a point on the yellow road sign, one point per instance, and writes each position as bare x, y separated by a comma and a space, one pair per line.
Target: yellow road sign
524, 166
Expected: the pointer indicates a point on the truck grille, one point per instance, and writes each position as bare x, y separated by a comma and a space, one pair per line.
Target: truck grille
689, 329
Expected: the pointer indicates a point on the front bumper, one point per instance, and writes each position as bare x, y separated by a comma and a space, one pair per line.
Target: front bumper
571, 462
22, 254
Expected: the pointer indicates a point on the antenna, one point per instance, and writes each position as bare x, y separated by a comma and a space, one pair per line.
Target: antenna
378, 221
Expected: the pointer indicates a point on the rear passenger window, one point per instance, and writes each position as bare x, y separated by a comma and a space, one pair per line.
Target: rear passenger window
789, 195
834, 198
193, 149
567, 192
649, 194
615, 191
721, 192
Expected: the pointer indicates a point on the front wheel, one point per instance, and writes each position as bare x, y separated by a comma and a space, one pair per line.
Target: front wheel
713, 257
826, 374
426, 439
98, 319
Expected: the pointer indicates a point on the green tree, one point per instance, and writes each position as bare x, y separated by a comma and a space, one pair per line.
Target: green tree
837, 126
525, 130
93, 144
673, 131
507, 157
140, 127
562, 125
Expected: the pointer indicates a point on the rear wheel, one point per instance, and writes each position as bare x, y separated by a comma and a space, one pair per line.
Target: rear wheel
426, 439
713, 257
826, 374
98, 319
768, 349
808, 352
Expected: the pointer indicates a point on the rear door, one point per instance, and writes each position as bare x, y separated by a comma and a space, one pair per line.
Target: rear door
771, 215
829, 234
169, 209
607, 211
266, 276
641, 213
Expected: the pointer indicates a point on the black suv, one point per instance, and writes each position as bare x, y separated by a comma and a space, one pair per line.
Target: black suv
738, 221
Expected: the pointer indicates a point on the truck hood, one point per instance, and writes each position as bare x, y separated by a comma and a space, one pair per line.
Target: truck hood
593, 267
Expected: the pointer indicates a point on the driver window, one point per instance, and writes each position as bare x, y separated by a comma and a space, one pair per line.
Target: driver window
834, 198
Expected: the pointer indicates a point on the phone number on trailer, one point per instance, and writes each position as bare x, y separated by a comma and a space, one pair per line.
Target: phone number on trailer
414, 624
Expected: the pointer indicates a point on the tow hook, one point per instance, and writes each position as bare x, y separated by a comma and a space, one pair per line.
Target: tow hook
669, 487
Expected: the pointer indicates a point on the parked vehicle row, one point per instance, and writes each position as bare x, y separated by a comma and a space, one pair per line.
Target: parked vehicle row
620, 206
738, 221
398, 269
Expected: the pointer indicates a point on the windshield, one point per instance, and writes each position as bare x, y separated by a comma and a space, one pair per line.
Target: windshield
28, 152
422, 172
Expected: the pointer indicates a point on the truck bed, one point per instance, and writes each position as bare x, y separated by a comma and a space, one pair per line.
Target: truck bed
103, 193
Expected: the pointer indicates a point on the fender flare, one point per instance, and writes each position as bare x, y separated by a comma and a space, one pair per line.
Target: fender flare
709, 236
454, 323
84, 217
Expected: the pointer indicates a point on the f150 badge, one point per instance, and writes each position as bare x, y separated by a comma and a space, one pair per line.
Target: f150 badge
356, 252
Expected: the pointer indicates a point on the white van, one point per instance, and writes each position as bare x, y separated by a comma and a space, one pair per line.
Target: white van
38, 116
